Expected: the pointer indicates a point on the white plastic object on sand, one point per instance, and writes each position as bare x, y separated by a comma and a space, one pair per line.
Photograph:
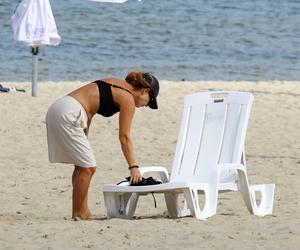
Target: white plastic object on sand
209, 158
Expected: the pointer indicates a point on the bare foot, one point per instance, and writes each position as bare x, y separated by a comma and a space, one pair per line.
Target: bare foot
86, 216
77, 218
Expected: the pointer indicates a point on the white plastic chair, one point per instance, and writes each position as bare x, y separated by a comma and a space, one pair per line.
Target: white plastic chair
209, 158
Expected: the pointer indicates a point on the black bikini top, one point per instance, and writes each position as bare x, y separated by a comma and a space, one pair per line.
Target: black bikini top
107, 105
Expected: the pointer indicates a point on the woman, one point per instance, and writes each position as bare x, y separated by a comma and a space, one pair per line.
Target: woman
69, 118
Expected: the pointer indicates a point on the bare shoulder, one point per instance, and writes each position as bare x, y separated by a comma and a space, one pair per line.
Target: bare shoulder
124, 99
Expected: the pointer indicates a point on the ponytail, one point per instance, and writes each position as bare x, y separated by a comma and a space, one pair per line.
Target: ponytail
136, 79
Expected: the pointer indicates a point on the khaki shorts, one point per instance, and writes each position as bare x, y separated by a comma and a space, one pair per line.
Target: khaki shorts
66, 120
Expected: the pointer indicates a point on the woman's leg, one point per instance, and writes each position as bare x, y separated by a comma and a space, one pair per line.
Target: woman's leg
81, 179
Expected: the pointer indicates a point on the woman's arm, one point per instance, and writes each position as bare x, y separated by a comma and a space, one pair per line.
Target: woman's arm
127, 110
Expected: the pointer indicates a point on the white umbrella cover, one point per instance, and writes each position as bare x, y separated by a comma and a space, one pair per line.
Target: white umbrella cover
33, 24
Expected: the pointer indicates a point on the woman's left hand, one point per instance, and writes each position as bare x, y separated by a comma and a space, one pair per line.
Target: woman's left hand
135, 176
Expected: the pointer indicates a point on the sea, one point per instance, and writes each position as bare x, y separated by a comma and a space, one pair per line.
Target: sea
227, 40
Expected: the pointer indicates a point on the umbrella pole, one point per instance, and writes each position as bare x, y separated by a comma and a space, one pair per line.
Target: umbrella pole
34, 51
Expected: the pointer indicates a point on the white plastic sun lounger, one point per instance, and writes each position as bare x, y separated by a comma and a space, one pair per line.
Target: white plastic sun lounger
209, 158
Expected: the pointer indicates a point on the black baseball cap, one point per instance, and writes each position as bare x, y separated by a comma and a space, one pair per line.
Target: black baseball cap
153, 83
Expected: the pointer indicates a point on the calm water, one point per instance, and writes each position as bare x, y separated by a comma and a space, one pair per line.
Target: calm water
175, 39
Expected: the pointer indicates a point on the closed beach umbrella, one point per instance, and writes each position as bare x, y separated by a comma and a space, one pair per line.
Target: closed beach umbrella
33, 24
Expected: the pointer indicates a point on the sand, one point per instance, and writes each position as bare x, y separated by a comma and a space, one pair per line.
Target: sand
35, 196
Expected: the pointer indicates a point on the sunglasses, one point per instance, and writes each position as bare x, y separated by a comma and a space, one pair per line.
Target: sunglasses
148, 79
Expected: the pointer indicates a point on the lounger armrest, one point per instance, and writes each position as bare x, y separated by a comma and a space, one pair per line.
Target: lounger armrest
162, 171
233, 166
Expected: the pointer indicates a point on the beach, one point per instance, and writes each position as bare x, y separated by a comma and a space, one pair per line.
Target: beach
35, 195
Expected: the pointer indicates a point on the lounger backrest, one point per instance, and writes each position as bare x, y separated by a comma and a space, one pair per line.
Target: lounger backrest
213, 131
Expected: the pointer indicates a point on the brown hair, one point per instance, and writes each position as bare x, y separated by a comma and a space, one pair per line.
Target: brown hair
137, 80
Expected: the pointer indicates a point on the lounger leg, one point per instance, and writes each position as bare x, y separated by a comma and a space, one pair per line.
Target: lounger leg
267, 197
112, 205
210, 206
249, 195
172, 204
133, 199
116, 205
185, 211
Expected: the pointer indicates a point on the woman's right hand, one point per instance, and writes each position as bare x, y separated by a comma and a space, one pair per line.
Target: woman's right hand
135, 176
